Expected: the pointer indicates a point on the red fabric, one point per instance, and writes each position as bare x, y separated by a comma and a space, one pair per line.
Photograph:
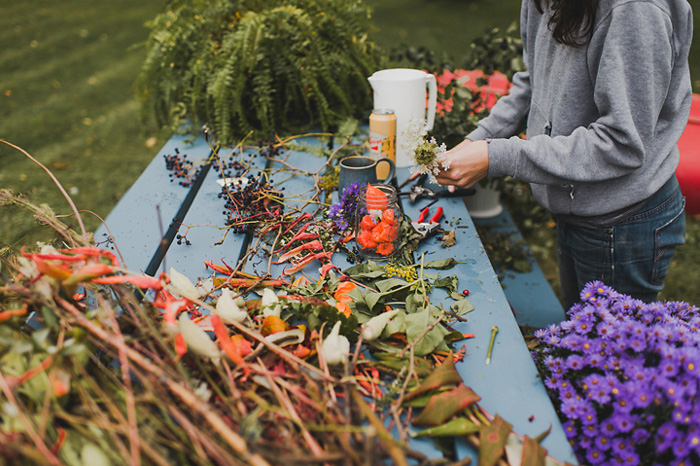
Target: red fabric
688, 171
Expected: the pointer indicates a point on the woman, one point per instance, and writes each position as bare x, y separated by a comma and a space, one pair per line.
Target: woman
604, 100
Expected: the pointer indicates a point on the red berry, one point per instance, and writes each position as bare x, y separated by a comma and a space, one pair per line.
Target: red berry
465, 292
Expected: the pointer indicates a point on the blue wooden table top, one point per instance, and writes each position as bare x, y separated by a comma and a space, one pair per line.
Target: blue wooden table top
143, 228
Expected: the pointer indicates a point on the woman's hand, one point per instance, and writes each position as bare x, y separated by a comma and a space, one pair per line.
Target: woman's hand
468, 162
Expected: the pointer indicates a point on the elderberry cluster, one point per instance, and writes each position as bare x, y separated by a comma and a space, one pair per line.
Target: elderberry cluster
181, 168
249, 203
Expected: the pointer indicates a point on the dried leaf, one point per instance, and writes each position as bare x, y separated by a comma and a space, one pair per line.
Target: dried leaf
449, 239
444, 374
493, 439
442, 407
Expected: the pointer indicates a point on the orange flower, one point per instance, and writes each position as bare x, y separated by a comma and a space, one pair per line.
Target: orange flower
342, 297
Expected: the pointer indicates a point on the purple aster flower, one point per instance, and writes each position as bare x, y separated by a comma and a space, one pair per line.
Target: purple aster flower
570, 430
583, 325
606, 329
575, 362
666, 437
640, 436
620, 445
603, 443
596, 456
623, 422
573, 407
694, 439
681, 450
628, 457
642, 397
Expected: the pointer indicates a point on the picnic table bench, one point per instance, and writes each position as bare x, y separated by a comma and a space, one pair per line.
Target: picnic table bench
143, 229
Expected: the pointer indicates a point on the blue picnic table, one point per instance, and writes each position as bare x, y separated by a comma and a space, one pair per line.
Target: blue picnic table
144, 226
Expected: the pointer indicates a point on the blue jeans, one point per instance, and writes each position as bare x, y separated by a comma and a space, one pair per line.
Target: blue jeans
632, 257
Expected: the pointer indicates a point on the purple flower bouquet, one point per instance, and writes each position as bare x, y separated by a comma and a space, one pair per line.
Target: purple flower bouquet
625, 377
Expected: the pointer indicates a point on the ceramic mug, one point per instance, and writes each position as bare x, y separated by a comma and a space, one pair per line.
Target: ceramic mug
361, 169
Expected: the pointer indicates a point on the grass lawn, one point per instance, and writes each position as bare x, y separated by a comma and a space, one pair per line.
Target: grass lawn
66, 97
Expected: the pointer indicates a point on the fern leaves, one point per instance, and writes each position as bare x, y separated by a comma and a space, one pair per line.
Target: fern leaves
277, 65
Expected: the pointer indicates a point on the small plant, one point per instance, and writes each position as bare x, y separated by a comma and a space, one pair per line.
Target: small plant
244, 65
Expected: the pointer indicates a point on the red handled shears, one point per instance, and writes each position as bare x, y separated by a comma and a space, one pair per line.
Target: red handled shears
431, 226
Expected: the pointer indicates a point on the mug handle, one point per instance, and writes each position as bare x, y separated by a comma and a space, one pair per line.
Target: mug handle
432, 100
392, 169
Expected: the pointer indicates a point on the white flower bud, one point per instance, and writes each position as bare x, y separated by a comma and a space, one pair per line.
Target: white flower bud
227, 309
373, 328
183, 286
335, 347
197, 339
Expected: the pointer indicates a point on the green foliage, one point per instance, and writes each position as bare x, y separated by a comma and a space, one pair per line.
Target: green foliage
496, 51
246, 65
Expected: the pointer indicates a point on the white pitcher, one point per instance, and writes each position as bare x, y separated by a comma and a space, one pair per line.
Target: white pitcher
403, 91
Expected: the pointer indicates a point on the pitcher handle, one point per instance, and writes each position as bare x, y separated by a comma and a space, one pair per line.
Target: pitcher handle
432, 101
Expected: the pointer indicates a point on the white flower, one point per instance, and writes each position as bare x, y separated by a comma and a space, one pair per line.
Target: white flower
183, 286
227, 308
270, 304
197, 339
373, 328
335, 347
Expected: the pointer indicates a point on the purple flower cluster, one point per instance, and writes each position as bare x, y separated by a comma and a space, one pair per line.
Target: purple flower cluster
625, 376
343, 213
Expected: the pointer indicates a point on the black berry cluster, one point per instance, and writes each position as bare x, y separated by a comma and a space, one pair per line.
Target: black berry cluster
181, 169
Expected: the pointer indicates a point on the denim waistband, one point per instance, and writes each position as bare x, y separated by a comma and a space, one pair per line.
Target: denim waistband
629, 213
669, 191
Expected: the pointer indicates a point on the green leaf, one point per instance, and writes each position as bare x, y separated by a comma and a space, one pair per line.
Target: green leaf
415, 326
448, 283
367, 269
442, 264
372, 299
462, 306
396, 325
457, 427
389, 284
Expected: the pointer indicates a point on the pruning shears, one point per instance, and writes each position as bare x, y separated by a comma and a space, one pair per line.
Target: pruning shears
431, 226
419, 191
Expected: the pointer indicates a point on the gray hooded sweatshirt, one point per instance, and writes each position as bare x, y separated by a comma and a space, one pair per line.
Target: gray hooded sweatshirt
602, 120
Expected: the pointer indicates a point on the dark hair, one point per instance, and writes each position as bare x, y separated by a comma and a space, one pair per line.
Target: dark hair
571, 21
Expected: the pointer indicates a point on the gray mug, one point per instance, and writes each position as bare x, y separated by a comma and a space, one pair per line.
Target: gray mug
361, 169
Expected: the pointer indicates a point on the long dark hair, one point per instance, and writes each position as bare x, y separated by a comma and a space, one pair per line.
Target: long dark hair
571, 21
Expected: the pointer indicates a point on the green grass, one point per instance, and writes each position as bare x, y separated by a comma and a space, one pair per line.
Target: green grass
66, 97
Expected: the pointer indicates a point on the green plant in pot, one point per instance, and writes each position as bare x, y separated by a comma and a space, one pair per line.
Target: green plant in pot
242, 66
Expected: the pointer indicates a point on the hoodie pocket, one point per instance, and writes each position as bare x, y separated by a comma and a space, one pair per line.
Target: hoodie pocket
537, 122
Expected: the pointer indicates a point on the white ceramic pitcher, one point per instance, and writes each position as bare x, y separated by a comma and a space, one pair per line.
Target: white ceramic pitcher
403, 91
